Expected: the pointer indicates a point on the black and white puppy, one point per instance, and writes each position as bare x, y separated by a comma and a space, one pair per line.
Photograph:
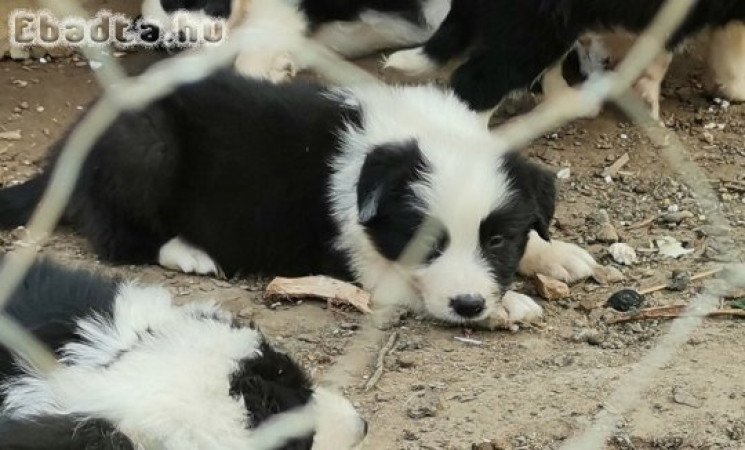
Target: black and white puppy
349, 27
508, 44
138, 372
243, 176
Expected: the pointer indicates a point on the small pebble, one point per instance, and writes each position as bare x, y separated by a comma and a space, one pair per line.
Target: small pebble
626, 300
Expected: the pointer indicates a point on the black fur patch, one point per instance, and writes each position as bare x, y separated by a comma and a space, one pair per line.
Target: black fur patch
503, 235
238, 167
271, 384
324, 11
386, 202
61, 433
49, 301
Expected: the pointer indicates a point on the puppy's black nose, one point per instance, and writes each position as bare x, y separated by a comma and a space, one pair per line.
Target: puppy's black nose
468, 305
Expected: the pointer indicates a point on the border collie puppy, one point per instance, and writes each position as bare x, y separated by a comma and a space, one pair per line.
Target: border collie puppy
138, 372
349, 27
236, 175
508, 44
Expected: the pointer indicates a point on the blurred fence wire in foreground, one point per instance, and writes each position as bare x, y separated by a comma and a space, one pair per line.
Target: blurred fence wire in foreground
122, 94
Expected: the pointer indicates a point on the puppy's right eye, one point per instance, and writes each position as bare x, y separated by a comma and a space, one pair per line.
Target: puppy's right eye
438, 247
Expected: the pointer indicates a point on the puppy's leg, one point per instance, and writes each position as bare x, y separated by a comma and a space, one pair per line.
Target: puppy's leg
275, 67
650, 83
489, 75
561, 260
554, 85
177, 254
726, 60
412, 62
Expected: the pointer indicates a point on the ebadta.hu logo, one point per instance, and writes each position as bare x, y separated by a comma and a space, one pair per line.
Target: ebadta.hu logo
182, 28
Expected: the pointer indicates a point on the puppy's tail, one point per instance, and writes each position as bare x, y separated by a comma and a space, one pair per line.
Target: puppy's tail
18, 202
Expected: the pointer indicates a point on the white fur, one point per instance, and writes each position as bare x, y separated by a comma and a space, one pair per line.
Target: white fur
377, 31
177, 254
274, 60
518, 307
338, 426
411, 62
556, 259
454, 142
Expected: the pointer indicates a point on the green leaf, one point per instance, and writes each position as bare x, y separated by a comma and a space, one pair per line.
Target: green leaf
739, 303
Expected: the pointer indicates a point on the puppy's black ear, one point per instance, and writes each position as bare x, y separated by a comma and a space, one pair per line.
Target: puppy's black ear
538, 184
386, 170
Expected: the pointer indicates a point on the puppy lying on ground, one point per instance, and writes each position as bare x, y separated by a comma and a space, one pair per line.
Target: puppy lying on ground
351, 28
236, 175
138, 372
509, 44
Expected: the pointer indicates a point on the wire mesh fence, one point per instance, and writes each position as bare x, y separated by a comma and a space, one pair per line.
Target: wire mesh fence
123, 94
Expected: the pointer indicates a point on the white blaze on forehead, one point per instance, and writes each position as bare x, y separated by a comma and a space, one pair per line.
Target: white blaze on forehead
463, 189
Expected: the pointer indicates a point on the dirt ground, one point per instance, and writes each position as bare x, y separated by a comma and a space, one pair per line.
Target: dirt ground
530, 389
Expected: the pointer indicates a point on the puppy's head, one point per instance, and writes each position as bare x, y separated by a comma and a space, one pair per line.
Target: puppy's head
482, 205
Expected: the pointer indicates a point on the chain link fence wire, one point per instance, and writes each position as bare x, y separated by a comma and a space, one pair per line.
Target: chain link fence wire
123, 94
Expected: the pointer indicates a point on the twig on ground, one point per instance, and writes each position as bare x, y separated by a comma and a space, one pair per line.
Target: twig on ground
380, 363
643, 223
613, 169
671, 312
698, 276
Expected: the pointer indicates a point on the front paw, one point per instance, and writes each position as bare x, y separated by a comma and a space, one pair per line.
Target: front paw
275, 68
560, 260
412, 62
515, 308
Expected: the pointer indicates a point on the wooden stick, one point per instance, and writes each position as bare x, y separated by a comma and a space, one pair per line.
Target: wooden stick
380, 364
698, 276
671, 312
643, 223
613, 169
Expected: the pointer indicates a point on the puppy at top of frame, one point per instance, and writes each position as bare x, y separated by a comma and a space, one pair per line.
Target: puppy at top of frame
508, 45
350, 28
136, 371
238, 176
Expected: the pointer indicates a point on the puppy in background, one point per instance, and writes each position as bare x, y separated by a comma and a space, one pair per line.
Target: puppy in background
508, 45
350, 28
136, 371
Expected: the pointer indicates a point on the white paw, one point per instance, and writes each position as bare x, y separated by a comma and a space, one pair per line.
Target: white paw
411, 62
270, 66
560, 260
514, 308
178, 254
518, 307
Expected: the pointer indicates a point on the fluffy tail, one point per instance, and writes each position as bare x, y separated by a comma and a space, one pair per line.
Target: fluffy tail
18, 202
